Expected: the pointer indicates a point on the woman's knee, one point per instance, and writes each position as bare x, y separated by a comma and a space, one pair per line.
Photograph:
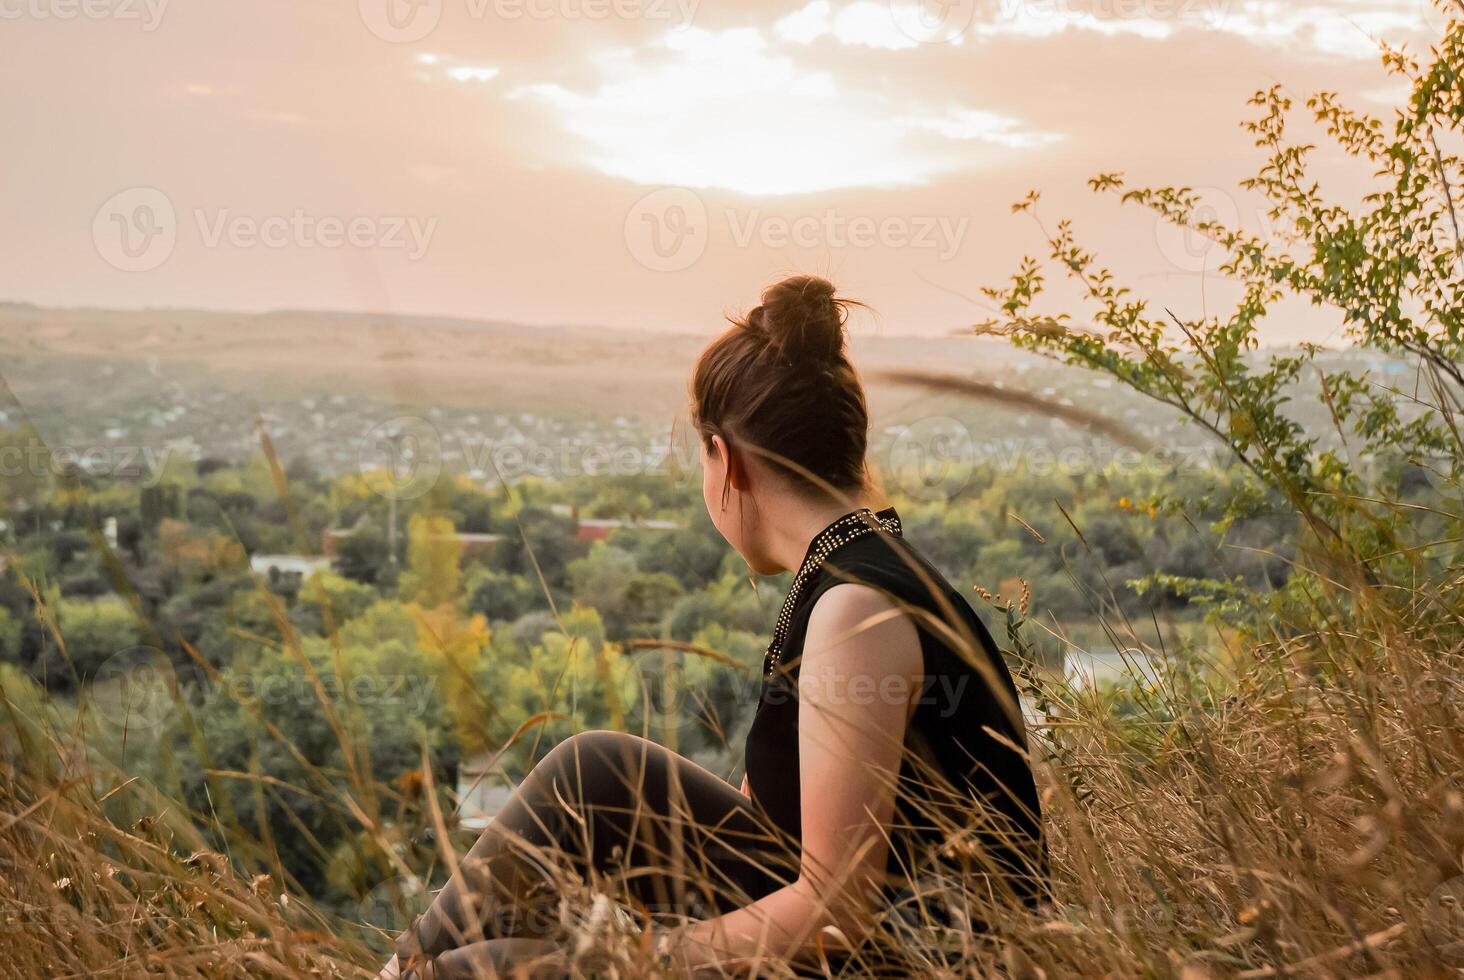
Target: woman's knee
592, 752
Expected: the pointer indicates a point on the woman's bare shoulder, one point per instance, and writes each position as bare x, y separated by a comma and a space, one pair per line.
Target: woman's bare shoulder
858, 625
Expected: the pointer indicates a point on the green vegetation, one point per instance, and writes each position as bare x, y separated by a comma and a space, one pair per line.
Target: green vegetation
456, 646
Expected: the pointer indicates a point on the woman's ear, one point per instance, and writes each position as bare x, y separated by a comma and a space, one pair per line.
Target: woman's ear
733, 464
736, 472
721, 457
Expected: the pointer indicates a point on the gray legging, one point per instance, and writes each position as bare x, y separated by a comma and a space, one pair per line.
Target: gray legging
679, 839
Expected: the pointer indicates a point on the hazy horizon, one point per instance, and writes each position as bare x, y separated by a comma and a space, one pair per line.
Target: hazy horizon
863, 326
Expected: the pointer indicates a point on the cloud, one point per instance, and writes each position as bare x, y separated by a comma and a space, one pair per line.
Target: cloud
1049, 18
1341, 28
733, 110
454, 69
1333, 28
472, 73
960, 123
862, 23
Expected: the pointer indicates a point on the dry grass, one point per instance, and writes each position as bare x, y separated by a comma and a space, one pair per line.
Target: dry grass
1295, 810
1286, 801
1296, 817
82, 896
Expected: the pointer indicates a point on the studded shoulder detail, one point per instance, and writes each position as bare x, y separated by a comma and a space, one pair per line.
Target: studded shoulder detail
848, 528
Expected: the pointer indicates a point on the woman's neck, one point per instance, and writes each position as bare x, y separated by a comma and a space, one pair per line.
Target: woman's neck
800, 521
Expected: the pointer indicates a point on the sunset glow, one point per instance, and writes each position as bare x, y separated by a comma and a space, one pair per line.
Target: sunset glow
529, 129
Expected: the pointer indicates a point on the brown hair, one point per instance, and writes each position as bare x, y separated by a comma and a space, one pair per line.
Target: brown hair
779, 381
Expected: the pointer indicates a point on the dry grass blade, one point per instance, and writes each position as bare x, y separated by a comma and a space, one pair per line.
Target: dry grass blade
985, 391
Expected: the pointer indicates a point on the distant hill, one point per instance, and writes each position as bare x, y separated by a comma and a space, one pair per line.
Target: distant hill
468, 363
197, 382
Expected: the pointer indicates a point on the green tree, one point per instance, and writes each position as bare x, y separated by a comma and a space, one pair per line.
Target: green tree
1392, 270
363, 556
25, 467
501, 596
629, 601
434, 562
94, 630
9, 637
328, 601
382, 703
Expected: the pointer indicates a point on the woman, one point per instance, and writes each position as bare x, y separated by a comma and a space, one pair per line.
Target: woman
887, 742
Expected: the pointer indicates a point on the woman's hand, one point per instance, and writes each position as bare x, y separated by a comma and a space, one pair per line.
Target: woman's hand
680, 953
532, 959
860, 671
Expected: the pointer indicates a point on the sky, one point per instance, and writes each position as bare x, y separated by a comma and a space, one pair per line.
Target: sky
634, 163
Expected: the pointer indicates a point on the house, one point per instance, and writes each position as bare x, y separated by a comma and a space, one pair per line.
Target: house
598, 529
482, 792
331, 538
301, 565
474, 545
480, 545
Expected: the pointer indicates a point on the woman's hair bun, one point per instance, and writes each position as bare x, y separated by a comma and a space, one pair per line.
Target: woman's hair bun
779, 384
802, 319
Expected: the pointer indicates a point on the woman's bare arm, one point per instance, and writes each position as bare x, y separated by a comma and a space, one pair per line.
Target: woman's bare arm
857, 679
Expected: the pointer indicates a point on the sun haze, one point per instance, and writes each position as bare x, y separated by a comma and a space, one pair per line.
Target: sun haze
628, 163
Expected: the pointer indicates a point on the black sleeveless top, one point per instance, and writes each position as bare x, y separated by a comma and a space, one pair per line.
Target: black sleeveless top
965, 768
